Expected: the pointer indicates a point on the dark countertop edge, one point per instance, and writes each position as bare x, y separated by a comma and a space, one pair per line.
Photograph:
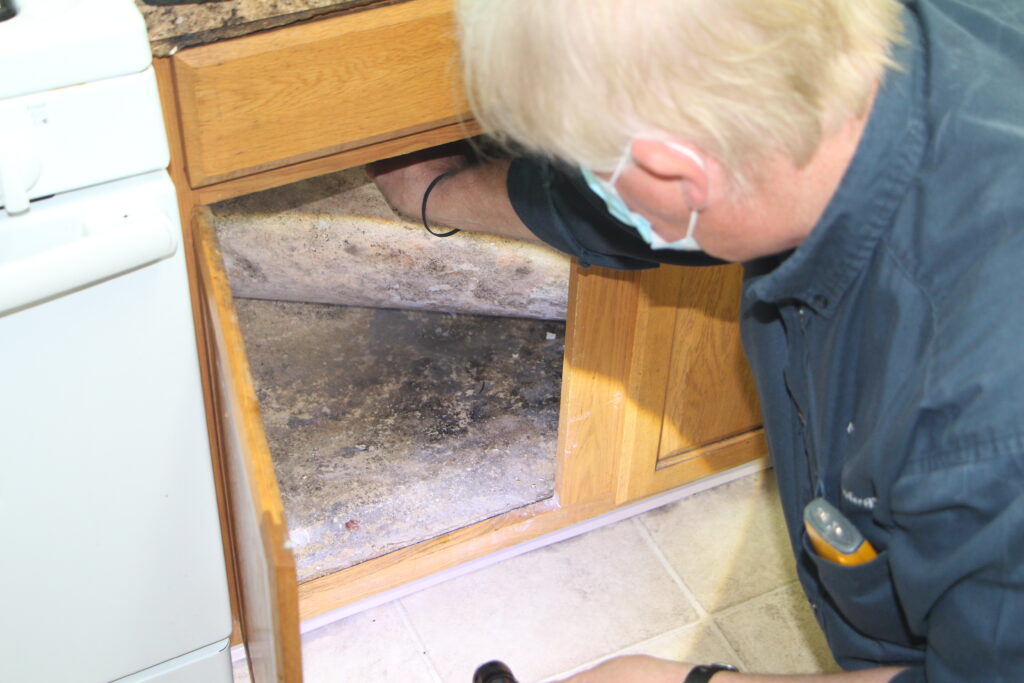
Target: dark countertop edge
167, 47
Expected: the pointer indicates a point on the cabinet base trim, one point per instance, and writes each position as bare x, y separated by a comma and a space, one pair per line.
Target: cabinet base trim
606, 519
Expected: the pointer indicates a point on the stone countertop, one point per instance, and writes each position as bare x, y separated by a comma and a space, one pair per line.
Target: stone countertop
173, 27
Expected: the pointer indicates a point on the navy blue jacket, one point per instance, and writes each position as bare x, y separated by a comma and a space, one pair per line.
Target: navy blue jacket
889, 351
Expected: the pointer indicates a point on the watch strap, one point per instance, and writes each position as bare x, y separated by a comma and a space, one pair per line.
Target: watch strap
703, 672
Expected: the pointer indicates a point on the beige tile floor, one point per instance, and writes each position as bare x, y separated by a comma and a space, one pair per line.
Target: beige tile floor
708, 578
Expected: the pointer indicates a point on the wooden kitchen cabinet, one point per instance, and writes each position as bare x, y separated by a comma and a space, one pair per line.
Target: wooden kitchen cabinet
655, 392
324, 87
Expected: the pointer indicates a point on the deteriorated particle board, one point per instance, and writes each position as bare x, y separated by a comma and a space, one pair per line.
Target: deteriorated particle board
334, 240
391, 427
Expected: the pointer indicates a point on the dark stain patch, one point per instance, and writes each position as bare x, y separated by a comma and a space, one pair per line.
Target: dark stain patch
411, 423
252, 270
349, 452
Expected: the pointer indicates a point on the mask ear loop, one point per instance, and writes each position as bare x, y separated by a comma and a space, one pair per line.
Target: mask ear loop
628, 154
621, 166
694, 215
682, 149
686, 151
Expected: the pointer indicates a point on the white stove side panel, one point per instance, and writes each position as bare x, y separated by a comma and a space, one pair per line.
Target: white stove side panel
109, 530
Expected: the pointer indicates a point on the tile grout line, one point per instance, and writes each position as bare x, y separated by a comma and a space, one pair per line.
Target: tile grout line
740, 664
645, 533
702, 614
621, 651
640, 644
746, 603
420, 645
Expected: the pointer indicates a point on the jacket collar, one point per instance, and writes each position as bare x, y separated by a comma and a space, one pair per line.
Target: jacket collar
820, 270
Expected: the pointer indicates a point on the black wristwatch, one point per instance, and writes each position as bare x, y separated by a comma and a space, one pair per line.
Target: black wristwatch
704, 672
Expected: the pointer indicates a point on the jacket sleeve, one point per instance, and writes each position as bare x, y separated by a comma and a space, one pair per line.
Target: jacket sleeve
557, 207
958, 561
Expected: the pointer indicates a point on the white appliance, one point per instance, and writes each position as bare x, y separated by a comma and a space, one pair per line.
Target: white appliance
111, 564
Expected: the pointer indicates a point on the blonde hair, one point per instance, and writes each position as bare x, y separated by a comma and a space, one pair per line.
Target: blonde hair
577, 79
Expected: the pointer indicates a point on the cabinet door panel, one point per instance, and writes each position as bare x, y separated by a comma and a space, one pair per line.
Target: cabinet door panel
307, 91
268, 589
710, 394
656, 392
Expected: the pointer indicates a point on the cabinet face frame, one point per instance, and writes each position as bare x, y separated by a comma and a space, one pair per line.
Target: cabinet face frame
615, 370
318, 88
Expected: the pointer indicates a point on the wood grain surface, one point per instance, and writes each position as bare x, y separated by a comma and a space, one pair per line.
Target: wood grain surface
656, 392
268, 590
316, 89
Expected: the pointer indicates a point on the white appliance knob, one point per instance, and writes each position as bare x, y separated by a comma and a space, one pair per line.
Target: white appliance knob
20, 163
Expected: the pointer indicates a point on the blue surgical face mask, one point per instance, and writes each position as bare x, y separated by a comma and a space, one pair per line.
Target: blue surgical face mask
605, 189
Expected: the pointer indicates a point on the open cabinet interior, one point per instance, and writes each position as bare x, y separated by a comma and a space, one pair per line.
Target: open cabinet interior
408, 385
654, 393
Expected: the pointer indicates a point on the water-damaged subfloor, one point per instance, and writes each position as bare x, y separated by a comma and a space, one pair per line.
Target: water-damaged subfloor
391, 427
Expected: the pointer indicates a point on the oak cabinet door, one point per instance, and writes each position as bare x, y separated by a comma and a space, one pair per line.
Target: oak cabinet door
656, 390
268, 590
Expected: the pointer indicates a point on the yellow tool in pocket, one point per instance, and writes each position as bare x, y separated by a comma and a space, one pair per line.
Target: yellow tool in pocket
834, 537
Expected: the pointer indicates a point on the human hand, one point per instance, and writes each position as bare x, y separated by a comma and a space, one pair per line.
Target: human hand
633, 669
403, 180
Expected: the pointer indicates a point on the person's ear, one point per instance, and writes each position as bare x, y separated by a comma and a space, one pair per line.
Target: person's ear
671, 160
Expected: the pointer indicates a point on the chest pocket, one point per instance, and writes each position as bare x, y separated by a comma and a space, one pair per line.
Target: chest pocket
863, 594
